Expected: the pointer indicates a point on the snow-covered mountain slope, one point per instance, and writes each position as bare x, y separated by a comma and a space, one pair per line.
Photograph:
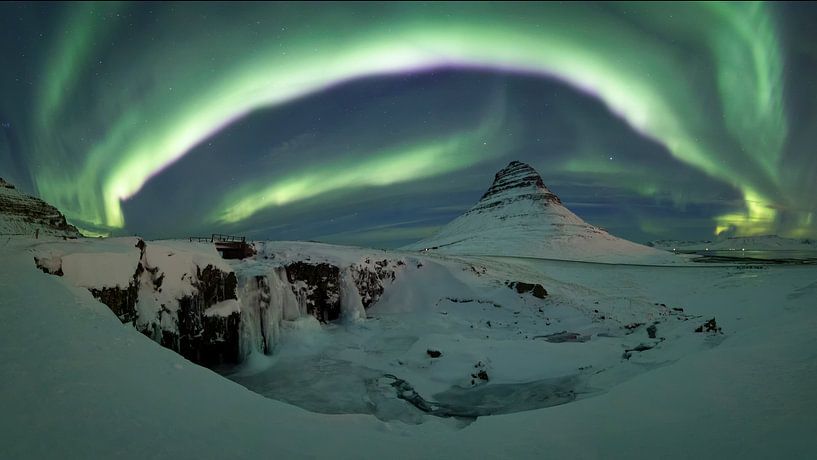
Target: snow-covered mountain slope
518, 216
737, 243
23, 215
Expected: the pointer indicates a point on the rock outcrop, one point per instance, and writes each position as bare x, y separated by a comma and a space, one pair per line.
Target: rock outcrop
516, 182
208, 339
536, 289
24, 215
318, 285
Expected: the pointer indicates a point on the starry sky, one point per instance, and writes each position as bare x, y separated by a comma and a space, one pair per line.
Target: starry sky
375, 124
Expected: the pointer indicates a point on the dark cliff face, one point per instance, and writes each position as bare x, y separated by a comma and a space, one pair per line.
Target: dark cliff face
122, 301
203, 339
319, 284
209, 340
517, 181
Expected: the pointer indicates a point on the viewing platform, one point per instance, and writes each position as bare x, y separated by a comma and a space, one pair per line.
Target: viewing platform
228, 246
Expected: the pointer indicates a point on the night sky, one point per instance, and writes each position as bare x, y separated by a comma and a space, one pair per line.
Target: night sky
375, 124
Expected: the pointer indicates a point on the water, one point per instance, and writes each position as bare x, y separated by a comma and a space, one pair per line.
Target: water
333, 386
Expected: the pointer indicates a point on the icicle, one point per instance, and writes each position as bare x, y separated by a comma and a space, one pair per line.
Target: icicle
351, 305
290, 306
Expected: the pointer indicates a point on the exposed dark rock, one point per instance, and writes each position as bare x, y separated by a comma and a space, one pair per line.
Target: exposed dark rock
371, 279
651, 331
320, 288
320, 284
515, 175
536, 289
482, 375
221, 340
638, 348
121, 301
215, 285
434, 353
564, 336
209, 340
709, 326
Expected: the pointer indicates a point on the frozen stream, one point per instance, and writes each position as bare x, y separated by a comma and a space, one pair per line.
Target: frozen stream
334, 386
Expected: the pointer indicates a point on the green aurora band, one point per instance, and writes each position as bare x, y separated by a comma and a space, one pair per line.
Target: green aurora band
206, 85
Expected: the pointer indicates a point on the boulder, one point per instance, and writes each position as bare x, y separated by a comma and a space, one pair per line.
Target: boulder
536, 289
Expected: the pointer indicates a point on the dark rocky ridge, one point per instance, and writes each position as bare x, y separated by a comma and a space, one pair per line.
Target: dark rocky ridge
517, 181
25, 215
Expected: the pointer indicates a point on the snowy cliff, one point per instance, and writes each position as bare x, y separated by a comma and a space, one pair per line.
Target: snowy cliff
187, 298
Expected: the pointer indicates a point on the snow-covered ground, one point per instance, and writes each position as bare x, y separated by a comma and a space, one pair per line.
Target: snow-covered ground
77, 383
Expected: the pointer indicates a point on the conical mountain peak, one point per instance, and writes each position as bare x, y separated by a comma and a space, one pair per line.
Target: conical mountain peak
515, 182
519, 217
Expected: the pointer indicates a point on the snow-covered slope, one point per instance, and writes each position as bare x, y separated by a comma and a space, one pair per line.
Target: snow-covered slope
25, 215
519, 216
77, 384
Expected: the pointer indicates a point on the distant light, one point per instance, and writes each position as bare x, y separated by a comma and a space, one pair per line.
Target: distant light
611, 158
743, 249
706, 249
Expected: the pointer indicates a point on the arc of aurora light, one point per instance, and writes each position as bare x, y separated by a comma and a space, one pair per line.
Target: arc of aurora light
645, 86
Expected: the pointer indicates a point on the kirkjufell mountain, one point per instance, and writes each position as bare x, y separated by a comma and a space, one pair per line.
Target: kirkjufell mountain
519, 216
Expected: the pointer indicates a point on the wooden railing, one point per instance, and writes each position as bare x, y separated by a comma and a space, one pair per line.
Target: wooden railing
219, 238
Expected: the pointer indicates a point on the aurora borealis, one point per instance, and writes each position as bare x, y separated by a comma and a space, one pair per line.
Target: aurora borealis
375, 123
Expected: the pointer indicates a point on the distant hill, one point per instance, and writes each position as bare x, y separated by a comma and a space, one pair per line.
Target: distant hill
748, 243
